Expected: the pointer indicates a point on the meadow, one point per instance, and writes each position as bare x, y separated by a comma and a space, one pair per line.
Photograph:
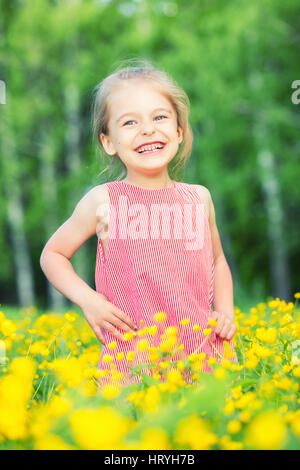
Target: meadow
49, 397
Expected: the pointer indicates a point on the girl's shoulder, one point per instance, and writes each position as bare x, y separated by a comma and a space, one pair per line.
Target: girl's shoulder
100, 194
204, 196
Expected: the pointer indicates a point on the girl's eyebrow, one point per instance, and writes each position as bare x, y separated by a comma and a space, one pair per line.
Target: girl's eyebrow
157, 109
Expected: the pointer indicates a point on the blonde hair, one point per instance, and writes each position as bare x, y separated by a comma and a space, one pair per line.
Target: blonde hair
141, 69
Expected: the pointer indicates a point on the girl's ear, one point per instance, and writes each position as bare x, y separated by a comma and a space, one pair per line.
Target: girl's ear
180, 134
107, 144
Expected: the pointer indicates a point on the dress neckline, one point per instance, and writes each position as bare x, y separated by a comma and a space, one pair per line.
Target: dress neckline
150, 190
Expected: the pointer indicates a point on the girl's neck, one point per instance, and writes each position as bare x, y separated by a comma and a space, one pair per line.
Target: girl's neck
150, 183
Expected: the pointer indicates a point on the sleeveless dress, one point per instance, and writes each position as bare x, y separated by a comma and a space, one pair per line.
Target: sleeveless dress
159, 258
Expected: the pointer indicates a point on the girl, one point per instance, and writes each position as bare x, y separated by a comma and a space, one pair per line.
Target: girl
159, 248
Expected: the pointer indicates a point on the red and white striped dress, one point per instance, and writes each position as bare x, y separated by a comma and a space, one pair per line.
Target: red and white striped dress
157, 264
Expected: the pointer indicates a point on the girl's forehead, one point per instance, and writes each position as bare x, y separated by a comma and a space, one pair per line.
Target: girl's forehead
134, 91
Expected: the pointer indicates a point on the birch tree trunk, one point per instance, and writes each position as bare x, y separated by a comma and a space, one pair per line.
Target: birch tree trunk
48, 184
11, 187
280, 275
73, 164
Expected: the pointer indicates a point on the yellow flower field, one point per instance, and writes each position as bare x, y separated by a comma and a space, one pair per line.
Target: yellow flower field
49, 397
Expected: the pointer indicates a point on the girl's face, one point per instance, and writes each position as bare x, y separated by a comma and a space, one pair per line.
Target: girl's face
142, 128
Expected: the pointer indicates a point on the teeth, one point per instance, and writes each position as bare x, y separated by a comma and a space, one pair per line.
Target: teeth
148, 148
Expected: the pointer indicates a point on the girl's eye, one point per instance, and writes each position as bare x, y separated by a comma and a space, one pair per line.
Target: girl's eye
160, 116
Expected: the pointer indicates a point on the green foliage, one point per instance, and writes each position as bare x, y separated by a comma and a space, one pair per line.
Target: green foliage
236, 60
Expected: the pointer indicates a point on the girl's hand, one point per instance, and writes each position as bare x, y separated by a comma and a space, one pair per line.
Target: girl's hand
100, 313
226, 328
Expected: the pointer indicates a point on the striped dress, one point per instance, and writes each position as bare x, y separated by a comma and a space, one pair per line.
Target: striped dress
159, 258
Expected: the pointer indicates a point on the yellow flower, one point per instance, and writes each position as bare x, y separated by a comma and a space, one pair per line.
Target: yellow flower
284, 383
92, 436
152, 330
266, 390
273, 304
171, 331
297, 295
267, 335
107, 358
130, 356
154, 354
220, 373
154, 438
51, 442
142, 332
142, 345
212, 322
207, 331
286, 319
164, 364
175, 378
229, 408
227, 444
262, 351
112, 345
180, 365
245, 416
211, 361
169, 344
266, 432
296, 372
128, 335
159, 317
195, 433
110, 391
185, 321
236, 392
234, 426
120, 356
151, 399
197, 328
251, 363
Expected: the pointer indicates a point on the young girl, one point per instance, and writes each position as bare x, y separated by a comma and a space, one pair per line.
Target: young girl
159, 250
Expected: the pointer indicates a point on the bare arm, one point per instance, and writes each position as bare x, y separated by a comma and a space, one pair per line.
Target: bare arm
56, 265
223, 285
63, 245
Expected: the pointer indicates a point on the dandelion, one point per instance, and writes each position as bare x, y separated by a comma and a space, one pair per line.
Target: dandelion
128, 335
159, 317
234, 426
130, 356
197, 328
207, 331
107, 358
266, 432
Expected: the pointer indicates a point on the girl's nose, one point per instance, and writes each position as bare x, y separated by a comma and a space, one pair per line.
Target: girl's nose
147, 127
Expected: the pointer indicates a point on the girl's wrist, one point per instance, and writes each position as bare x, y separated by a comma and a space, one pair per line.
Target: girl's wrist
229, 313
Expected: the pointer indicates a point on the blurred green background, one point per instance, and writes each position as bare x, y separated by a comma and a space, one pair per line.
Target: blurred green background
237, 61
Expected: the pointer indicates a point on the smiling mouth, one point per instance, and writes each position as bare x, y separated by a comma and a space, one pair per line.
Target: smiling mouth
147, 150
